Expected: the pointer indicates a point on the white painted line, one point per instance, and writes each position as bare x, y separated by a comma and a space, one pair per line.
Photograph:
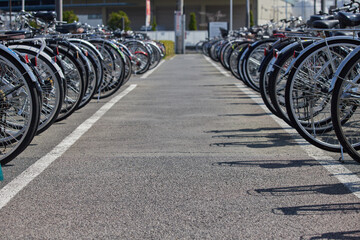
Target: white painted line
172, 57
21, 181
344, 175
225, 73
152, 70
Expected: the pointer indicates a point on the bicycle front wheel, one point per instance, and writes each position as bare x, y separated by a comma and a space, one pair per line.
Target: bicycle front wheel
19, 106
345, 104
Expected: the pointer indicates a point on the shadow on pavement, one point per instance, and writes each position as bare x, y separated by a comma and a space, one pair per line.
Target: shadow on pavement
245, 130
269, 164
244, 115
324, 209
349, 235
258, 141
245, 103
218, 85
329, 189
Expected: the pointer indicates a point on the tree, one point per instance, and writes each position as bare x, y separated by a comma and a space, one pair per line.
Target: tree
192, 23
117, 19
153, 24
251, 19
70, 16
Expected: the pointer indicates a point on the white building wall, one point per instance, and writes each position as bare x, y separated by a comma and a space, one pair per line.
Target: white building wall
272, 9
192, 37
91, 22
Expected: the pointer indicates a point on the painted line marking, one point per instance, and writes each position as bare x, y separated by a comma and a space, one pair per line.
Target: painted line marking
344, 175
16, 185
172, 57
226, 74
148, 73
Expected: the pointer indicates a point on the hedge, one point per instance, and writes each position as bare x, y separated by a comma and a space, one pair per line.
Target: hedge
170, 47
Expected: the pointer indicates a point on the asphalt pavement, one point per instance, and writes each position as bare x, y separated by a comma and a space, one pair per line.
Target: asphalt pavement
187, 153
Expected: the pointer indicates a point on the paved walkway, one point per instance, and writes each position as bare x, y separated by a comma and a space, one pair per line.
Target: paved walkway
187, 154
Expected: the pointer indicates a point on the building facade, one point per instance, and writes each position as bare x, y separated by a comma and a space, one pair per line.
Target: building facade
97, 12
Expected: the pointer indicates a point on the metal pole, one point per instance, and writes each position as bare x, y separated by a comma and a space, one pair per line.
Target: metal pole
10, 9
179, 39
231, 15
59, 9
23, 5
303, 9
248, 13
314, 6
323, 7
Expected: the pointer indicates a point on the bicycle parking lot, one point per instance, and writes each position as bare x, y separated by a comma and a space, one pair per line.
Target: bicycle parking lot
188, 153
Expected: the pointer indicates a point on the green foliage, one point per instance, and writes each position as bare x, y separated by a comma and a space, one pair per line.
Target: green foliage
33, 24
116, 21
169, 46
251, 19
70, 16
153, 25
192, 23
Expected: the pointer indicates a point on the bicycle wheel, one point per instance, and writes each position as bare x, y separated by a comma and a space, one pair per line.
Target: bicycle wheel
268, 63
155, 56
114, 67
96, 55
345, 106
19, 105
235, 56
307, 97
51, 83
75, 81
252, 61
277, 78
141, 55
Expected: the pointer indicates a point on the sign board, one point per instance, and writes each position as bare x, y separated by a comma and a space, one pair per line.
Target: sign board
214, 28
178, 23
148, 13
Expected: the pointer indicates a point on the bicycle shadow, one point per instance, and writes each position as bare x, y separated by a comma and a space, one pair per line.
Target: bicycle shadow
322, 209
328, 189
245, 130
349, 235
245, 115
264, 137
268, 140
270, 164
218, 85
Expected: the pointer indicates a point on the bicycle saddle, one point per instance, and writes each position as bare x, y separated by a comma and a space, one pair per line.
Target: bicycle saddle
314, 18
45, 15
67, 28
326, 24
349, 19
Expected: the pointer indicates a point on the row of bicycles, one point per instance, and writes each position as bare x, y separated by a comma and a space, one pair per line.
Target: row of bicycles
49, 69
308, 75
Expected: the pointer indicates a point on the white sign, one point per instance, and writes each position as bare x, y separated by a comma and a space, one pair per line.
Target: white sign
178, 23
148, 13
214, 28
